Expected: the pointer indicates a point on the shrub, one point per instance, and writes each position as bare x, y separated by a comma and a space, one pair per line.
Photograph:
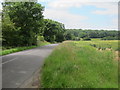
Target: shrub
87, 39
40, 38
110, 38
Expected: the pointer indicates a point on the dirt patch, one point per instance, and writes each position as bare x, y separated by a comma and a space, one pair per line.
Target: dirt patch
109, 49
117, 55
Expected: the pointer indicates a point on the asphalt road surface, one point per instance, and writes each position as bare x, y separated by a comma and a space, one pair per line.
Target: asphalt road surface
18, 67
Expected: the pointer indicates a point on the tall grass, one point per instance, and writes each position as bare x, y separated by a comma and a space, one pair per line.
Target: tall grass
80, 65
111, 44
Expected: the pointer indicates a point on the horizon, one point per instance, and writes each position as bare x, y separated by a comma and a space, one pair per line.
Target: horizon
92, 29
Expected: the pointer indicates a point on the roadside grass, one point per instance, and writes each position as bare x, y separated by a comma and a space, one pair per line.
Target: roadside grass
12, 50
77, 64
17, 49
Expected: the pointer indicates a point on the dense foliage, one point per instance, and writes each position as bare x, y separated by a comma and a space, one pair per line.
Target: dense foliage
23, 24
53, 31
79, 33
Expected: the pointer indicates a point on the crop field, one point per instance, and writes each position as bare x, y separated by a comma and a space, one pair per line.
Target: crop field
82, 64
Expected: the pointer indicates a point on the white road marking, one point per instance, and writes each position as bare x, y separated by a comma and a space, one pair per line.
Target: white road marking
10, 60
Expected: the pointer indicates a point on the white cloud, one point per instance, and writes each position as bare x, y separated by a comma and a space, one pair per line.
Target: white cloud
110, 8
70, 20
114, 23
76, 21
108, 26
115, 20
58, 10
65, 3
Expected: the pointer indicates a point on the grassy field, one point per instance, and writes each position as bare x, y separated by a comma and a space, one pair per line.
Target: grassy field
82, 64
8, 50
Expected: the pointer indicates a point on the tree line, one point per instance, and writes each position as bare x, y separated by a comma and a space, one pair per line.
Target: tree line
23, 24
76, 34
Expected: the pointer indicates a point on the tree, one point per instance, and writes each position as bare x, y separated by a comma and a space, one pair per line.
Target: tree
27, 18
9, 32
53, 31
68, 36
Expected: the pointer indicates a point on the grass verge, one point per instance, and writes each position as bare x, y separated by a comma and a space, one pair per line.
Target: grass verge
80, 65
17, 49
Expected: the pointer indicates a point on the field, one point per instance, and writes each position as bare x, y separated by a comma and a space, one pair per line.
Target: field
82, 64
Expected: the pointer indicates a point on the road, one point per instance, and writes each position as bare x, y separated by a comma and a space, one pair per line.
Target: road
19, 67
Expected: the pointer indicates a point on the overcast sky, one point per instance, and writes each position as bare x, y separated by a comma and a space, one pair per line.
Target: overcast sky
86, 14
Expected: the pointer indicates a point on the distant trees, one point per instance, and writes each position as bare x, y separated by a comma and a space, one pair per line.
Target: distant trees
79, 33
86, 39
68, 36
110, 38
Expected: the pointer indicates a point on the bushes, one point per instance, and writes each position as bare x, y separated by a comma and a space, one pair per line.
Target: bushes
40, 38
87, 39
76, 39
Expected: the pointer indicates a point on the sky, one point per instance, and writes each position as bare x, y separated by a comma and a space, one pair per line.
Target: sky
82, 14
79, 14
